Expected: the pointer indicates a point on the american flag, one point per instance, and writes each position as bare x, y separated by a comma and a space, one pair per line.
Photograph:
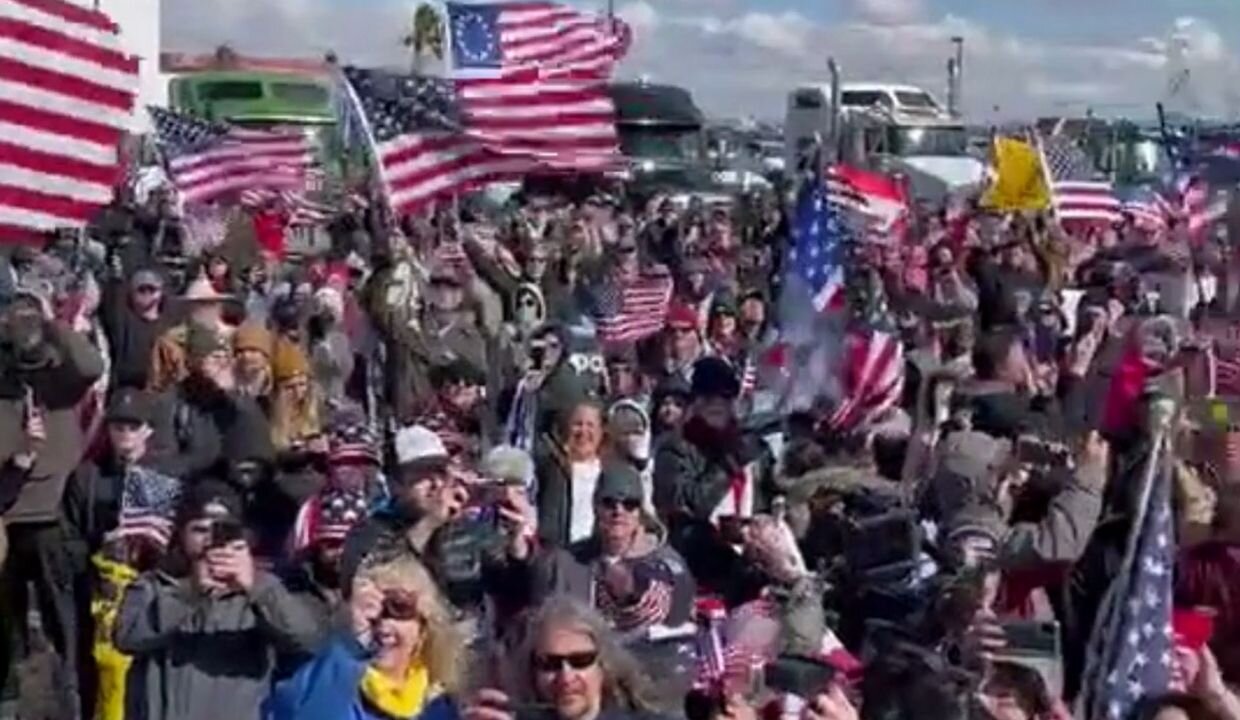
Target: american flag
66, 97
1131, 649
206, 227
630, 310
879, 199
818, 232
873, 367
531, 79
527, 93
148, 505
1149, 210
209, 161
302, 210
1197, 207
1078, 191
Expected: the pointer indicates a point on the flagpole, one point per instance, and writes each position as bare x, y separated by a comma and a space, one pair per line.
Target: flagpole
359, 116
1046, 174
1159, 412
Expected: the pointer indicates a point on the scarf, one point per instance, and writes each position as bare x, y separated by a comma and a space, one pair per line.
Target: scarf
398, 699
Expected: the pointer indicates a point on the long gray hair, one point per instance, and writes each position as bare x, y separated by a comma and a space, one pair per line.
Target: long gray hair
625, 686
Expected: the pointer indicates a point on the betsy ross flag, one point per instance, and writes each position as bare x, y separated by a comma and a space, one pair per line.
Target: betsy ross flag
1079, 193
66, 96
554, 39
209, 161
1131, 648
633, 309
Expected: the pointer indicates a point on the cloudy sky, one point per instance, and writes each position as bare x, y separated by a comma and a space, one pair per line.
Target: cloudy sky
740, 57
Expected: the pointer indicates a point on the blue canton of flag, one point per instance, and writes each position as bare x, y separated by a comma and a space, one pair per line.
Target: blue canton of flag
1132, 659
397, 104
181, 134
818, 231
476, 36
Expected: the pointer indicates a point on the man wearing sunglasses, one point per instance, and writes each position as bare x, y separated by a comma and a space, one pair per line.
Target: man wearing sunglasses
625, 569
133, 318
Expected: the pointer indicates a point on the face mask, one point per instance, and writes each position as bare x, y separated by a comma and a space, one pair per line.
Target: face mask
638, 446
527, 315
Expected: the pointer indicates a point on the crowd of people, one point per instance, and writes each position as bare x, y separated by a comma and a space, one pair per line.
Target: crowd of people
407, 477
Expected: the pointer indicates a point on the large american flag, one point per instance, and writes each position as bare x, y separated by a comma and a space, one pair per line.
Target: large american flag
818, 230
1078, 191
630, 310
1131, 648
211, 161
66, 96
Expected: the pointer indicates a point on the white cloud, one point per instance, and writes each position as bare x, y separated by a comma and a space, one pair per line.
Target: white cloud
889, 12
640, 15
740, 61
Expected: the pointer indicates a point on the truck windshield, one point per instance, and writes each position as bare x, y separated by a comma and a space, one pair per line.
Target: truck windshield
950, 141
653, 143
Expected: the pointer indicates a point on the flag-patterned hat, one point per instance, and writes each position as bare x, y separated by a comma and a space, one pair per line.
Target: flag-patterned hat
339, 510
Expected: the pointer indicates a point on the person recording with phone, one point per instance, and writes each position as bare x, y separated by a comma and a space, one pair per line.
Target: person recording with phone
425, 517
398, 658
46, 370
205, 627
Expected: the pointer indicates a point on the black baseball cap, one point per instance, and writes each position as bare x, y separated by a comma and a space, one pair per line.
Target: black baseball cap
129, 405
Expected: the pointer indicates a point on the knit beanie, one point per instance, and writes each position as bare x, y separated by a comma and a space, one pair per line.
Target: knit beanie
253, 336
288, 361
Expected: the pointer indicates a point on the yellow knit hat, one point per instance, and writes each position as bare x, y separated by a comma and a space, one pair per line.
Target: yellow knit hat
288, 361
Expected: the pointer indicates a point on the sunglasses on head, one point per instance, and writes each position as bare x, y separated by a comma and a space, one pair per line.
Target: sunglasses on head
630, 504
399, 605
574, 661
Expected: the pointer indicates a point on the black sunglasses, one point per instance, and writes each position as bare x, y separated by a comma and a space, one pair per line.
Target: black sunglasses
616, 503
574, 661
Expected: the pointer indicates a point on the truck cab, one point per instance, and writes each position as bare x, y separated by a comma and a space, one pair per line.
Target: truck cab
888, 127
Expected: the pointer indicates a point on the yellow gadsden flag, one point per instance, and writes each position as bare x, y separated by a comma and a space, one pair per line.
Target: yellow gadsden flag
1019, 183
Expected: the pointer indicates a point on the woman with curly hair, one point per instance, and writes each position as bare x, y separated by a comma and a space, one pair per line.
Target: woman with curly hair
399, 660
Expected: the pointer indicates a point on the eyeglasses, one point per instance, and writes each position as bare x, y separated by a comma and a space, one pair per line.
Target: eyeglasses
148, 289
399, 605
629, 504
558, 663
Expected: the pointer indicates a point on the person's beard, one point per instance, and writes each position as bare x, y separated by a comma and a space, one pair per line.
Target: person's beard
253, 382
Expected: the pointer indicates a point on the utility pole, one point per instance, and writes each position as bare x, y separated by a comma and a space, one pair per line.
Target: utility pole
958, 67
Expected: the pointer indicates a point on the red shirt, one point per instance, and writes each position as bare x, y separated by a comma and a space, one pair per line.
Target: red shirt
269, 231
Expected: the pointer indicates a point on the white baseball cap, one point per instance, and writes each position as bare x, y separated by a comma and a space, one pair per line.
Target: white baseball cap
418, 445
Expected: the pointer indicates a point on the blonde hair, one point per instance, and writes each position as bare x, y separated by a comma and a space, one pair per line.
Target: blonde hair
442, 648
293, 420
